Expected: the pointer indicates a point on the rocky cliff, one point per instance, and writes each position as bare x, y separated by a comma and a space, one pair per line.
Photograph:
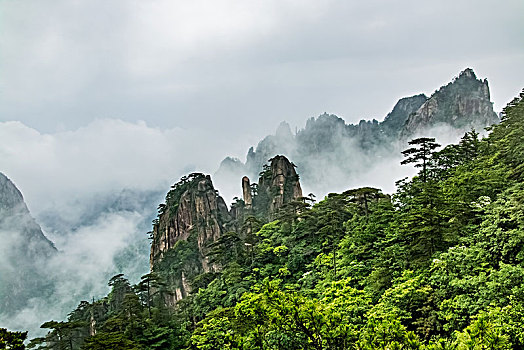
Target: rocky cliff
331, 152
278, 184
283, 142
193, 217
246, 193
24, 250
15, 217
198, 211
462, 104
395, 120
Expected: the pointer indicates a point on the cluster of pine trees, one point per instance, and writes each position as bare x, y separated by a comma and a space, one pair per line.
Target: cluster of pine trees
437, 265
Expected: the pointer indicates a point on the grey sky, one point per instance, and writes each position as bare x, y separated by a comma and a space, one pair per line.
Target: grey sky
230, 66
211, 78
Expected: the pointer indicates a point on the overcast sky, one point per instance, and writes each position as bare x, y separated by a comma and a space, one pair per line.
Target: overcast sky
224, 73
229, 65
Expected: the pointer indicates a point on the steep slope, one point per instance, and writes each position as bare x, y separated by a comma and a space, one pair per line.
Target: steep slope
462, 104
193, 217
14, 215
278, 184
395, 120
24, 249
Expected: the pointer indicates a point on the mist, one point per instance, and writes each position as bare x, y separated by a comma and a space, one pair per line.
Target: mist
94, 191
344, 166
87, 258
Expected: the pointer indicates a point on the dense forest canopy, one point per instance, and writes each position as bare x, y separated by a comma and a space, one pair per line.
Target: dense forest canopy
437, 265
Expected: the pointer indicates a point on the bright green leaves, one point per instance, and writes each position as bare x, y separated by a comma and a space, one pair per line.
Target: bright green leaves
274, 317
483, 333
502, 232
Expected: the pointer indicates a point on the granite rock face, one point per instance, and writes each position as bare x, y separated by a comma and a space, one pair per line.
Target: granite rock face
280, 182
395, 120
194, 218
462, 104
15, 216
195, 214
283, 142
200, 211
246, 193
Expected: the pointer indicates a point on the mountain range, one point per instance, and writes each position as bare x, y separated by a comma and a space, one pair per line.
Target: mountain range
330, 152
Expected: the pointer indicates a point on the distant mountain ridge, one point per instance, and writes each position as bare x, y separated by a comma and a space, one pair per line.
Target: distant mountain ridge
327, 147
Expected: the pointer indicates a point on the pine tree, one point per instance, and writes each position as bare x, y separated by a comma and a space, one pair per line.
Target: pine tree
420, 154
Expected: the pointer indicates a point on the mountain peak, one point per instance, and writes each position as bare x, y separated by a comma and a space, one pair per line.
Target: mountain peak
402, 110
280, 182
10, 196
16, 218
284, 131
464, 103
192, 218
467, 73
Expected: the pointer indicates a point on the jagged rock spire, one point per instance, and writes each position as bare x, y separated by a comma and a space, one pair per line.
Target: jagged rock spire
280, 182
246, 193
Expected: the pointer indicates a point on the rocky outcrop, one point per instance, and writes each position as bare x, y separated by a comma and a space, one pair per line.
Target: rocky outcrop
195, 214
24, 251
200, 211
15, 217
194, 218
278, 184
462, 104
395, 120
246, 193
282, 142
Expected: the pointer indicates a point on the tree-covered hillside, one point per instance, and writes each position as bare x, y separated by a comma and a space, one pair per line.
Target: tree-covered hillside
437, 265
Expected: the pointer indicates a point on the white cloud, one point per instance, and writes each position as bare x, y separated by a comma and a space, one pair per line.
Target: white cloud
104, 156
173, 62
87, 258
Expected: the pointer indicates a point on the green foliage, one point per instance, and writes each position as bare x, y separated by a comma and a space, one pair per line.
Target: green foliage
508, 135
109, 340
438, 265
483, 333
274, 317
420, 154
12, 340
387, 334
